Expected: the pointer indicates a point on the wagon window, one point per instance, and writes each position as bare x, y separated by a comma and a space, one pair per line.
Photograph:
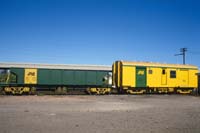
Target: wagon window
172, 74
163, 71
7, 77
150, 71
4, 73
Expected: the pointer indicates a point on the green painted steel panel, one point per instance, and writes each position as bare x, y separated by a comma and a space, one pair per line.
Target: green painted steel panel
71, 77
56, 77
140, 76
91, 77
68, 77
49, 77
100, 77
80, 77
20, 74
43, 76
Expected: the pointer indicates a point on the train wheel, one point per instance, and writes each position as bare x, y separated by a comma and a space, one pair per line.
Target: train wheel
132, 92
98, 91
58, 91
64, 90
32, 91
1, 90
61, 90
13, 90
181, 91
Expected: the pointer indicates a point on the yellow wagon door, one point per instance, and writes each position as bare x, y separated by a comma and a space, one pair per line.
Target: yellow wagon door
164, 77
183, 78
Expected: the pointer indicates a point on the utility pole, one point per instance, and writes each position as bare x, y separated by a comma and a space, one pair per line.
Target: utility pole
182, 50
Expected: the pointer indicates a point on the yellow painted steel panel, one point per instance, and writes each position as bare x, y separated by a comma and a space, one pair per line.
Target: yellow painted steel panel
119, 74
30, 76
183, 77
193, 78
154, 78
164, 79
114, 74
172, 82
128, 76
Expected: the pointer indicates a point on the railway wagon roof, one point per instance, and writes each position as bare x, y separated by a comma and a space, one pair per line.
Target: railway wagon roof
56, 66
152, 64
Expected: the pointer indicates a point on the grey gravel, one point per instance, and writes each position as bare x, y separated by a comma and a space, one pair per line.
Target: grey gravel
100, 114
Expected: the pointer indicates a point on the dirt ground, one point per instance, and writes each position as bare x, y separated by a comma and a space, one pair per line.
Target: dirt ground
99, 114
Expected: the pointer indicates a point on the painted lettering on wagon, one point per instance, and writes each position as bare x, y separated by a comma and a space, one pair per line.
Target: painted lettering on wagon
140, 72
30, 76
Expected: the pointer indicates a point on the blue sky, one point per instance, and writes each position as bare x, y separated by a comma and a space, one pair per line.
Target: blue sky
99, 31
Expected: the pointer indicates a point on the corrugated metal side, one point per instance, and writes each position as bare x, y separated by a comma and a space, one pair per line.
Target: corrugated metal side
71, 77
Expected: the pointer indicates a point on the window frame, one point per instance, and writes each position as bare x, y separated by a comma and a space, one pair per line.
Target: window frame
172, 74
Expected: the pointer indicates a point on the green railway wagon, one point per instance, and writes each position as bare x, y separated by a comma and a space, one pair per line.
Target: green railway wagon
28, 78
